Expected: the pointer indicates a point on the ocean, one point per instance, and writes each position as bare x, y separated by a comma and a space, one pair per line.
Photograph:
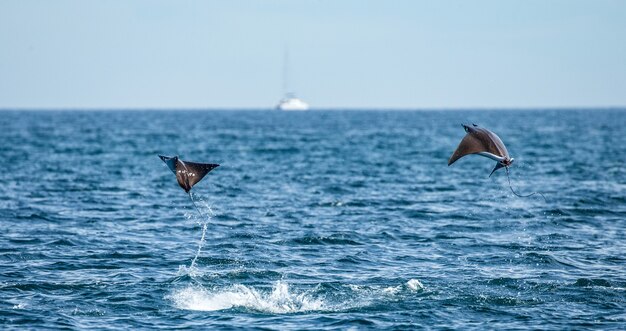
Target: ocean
325, 220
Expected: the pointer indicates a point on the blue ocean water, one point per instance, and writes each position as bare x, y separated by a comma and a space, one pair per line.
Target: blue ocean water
317, 220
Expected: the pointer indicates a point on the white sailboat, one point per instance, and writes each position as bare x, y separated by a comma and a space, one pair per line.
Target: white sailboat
290, 102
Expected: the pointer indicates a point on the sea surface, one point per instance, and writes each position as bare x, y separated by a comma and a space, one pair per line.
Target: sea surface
326, 220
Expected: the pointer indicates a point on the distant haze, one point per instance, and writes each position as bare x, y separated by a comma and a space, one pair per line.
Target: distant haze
342, 54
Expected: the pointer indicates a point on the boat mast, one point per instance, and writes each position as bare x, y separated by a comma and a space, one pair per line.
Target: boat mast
286, 72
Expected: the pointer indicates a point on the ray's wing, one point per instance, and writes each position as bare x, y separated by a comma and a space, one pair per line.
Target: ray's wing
495, 145
469, 145
170, 161
198, 171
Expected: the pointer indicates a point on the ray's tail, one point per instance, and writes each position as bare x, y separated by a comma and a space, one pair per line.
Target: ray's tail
204, 227
520, 195
194, 203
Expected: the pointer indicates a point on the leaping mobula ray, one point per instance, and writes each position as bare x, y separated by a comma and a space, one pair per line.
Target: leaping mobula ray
482, 142
187, 173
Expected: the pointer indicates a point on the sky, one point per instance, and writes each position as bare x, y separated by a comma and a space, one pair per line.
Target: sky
403, 54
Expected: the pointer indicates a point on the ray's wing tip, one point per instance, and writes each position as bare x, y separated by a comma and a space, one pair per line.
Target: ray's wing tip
452, 159
165, 157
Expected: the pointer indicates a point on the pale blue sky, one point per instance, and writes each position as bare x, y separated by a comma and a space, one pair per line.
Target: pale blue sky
343, 53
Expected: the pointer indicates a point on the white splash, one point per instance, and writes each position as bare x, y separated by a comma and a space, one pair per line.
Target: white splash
19, 306
282, 300
200, 244
415, 285
412, 285
191, 271
279, 301
204, 223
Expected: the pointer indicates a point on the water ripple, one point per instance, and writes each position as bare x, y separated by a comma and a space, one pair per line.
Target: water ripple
319, 220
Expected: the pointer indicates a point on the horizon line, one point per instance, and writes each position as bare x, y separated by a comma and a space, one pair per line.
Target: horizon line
100, 109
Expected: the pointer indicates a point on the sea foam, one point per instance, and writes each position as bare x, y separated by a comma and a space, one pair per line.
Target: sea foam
279, 300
